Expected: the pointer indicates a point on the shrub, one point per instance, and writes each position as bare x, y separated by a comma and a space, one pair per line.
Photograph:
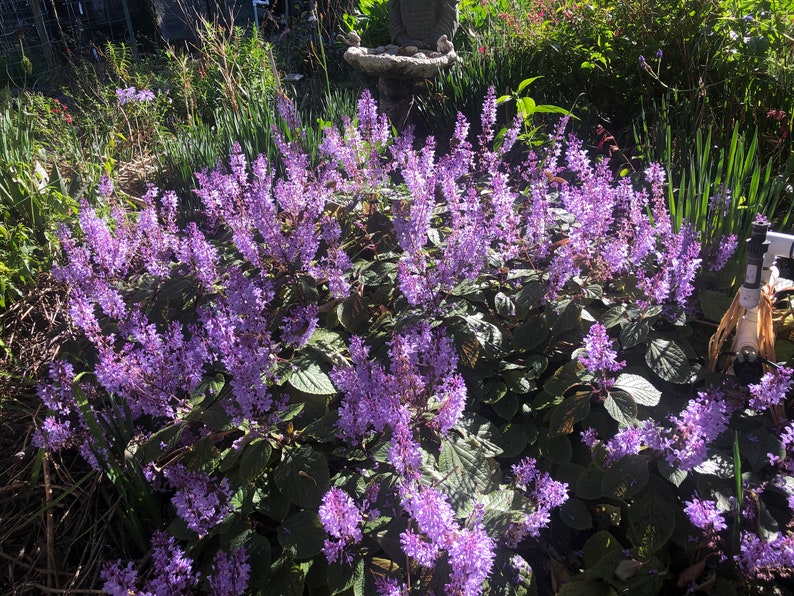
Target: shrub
392, 370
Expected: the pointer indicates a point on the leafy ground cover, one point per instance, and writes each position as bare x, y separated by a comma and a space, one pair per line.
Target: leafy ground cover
368, 362
394, 370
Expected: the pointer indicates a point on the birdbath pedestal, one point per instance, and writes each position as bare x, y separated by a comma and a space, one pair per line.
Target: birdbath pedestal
420, 48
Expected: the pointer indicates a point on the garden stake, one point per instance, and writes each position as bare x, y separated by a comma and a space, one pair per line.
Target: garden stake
749, 317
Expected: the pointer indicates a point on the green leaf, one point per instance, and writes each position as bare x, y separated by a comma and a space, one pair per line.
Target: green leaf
634, 333
588, 485
465, 465
507, 407
668, 360
302, 476
557, 449
216, 417
170, 435
286, 578
569, 412
651, 521
586, 588
673, 475
308, 376
302, 535
343, 577
254, 459
520, 381
486, 434
755, 447
563, 379
621, 406
615, 316
504, 305
514, 440
328, 343
568, 320
529, 335
575, 514
488, 335
625, 478
643, 392
502, 509
258, 549
599, 545
353, 314
531, 295
714, 304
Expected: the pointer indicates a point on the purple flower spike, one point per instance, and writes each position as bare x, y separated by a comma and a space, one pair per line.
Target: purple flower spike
599, 357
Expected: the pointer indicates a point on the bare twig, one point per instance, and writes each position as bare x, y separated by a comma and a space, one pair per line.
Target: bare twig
50, 525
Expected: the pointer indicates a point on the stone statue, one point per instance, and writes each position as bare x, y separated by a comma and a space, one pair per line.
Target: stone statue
421, 46
420, 23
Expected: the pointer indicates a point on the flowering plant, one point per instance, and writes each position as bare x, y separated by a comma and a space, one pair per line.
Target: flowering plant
391, 370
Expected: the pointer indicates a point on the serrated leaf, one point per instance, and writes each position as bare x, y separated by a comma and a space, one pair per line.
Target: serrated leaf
507, 407
493, 391
588, 485
286, 578
464, 464
499, 511
485, 432
504, 305
531, 295
563, 378
328, 343
569, 412
258, 549
568, 320
170, 435
621, 406
308, 376
651, 521
469, 349
755, 447
254, 459
714, 304
614, 316
520, 381
488, 335
586, 588
376, 273
668, 360
303, 476
514, 440
343, 577
643, 392
529, 335
634, 333
599, 545
556, 449
574, 514
673, 475
353, 314
216, 417
302, 534
625, 478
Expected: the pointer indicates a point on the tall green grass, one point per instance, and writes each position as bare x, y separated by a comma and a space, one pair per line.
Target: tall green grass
34, 197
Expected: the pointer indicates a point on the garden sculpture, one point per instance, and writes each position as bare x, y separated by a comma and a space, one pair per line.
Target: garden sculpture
421, 46
420, 23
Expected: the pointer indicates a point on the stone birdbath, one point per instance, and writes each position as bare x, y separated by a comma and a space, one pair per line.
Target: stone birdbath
421, 46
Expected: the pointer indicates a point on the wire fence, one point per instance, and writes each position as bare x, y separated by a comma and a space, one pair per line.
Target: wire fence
38, 36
